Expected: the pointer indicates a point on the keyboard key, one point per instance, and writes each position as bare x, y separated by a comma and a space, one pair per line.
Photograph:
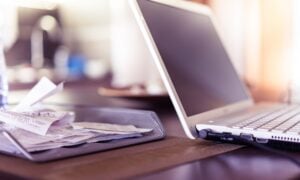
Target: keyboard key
295, 130
233, 120
279, 120
287, 124
244, 123
264, 120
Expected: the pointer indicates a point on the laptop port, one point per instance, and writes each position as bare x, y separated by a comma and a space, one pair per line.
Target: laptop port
248, 137
203, 133
261, 140
227, 136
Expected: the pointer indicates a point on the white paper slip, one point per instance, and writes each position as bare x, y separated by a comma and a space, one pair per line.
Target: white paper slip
43, 147
63, 136
69, 135
35, 124
27, 138
108, 131
43, 89
61, 117
109, 127
103, 138
77, 141
60, 137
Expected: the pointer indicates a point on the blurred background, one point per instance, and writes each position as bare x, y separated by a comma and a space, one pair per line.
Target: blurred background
74, 40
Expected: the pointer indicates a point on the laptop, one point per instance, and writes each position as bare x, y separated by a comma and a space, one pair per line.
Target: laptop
209, 98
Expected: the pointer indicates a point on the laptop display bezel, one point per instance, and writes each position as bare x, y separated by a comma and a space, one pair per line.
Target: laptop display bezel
188, 122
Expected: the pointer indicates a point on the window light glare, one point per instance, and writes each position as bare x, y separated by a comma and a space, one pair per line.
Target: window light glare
48, 23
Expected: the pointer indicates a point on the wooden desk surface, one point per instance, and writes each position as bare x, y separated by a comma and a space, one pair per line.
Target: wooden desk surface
176, 157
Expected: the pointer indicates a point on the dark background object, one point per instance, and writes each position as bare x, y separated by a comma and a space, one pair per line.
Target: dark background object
20, 52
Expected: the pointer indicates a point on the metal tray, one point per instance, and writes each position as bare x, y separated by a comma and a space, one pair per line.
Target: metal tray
140, 118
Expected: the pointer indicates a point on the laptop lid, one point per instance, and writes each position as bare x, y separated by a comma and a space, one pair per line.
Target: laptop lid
191, 59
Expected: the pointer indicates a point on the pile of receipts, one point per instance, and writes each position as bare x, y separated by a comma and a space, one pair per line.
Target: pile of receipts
39, 129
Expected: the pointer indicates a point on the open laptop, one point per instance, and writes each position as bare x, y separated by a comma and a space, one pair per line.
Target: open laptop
210, 99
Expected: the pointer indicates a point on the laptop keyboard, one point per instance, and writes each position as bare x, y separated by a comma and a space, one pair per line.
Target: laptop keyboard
283, 120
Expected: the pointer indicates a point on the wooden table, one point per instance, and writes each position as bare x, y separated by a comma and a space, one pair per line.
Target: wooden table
175, 157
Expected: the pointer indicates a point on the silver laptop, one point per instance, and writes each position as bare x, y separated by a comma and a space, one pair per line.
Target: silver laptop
210, 99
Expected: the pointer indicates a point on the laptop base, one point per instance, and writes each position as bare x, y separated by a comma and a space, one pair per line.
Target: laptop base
247, 139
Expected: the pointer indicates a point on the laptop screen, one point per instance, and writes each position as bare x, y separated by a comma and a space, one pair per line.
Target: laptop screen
194, 57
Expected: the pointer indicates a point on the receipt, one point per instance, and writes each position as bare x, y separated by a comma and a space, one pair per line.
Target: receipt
113, 137
62, 137
43, 89
35, 124
113, 128
60, 117
23, 115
